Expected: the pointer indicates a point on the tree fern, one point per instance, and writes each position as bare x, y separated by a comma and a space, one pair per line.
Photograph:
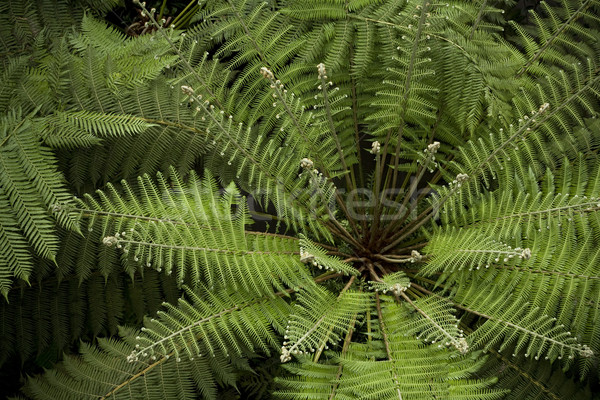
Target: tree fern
392, 199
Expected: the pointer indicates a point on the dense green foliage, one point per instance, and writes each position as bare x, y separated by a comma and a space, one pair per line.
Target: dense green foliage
384, 199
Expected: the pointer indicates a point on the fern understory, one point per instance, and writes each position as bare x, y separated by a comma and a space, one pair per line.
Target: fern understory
326, 199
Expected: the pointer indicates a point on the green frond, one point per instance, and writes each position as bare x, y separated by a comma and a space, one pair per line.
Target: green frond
99, 124
42, 321
189, 229
311, 253
211, 323
12, 72
103, 371
321, 319
31, 185
24, 22
203, 337
125, 71
396, 283
474, 252
561, 33
269, 166
407, 370
534, 324
311, 380
545, 218
506, 213
408, 94
571, 95
433, 321
530, 379
317, 11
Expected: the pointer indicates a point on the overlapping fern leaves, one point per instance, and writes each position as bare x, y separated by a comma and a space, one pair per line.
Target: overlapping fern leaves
30, 186
332, 123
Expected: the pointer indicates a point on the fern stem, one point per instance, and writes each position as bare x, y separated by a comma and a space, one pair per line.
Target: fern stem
186, 63
361, 176
374, 275
8, 135
247, 32
407, 249
350, 180
282, 100
376, 208
376, 21
134, 377
348, 173
171, 124
408, 259
178, 222
162, 8
399, 219
387, 344
409, 229
403, 212
183, 15
407, 84
415, 293
477, 19
345, 348
342, 232
206, 249
555, 211
545, 272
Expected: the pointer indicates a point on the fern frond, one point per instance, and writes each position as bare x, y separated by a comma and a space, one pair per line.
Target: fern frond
434, 322
100, 124
211, 323
12, 72
187, 228
94, 375
475, 251
396, 283
317, 256
533, 379
558, 28
320, 319
409, 370
512, 321
268, 167
371, 119
30, 186
561, 271
408, 98
45, 320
